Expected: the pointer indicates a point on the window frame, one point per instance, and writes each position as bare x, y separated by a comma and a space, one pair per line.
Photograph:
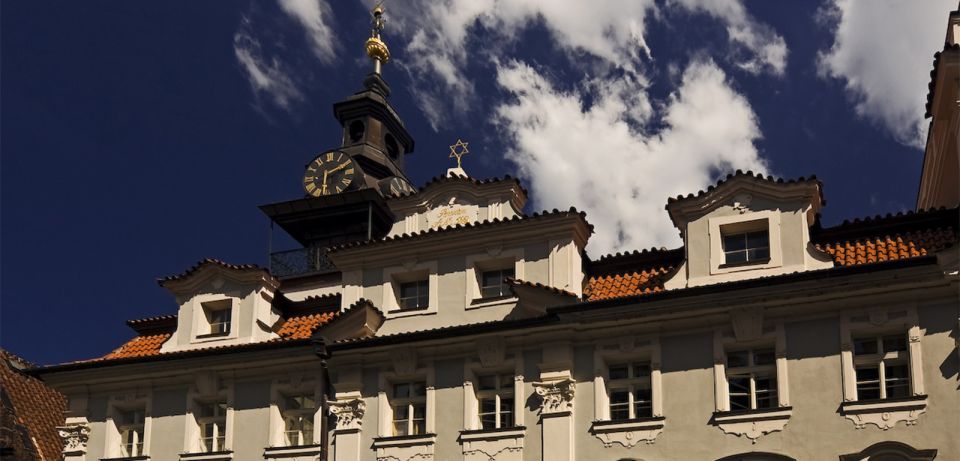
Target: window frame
386, 401
497, 394
492, 259
410, 404
216, 446
719, 226
394, 277
202, 329
768, 337
629, 350
881, 322
632, 383
115, 446
305, 413
752, 372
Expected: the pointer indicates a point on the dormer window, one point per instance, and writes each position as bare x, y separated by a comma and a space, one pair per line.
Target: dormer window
746, 243
414, 295
746, 247
219, 317
493, 284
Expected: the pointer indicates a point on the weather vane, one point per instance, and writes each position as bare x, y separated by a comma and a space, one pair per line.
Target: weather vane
376, 48
458, 150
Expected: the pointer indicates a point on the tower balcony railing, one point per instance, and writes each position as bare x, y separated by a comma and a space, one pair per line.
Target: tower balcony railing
303, 261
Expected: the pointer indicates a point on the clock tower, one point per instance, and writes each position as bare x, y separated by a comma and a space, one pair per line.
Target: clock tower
345, 188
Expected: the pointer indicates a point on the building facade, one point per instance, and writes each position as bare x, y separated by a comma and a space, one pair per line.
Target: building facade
443, 322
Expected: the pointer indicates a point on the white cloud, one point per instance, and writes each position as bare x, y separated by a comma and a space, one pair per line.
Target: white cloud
766, 50
266, 76
590, 156
314, 16
883, 52
606, 30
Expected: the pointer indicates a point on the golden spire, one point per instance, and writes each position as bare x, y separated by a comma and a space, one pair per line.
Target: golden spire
376, 48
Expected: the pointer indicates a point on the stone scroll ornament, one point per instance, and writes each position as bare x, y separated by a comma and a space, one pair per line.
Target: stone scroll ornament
349, 413
556, 396
74, 438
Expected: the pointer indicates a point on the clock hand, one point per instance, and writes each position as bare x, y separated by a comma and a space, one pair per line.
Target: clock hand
323, 188
339, 167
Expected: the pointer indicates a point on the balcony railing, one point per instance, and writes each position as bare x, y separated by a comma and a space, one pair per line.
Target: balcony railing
304, 261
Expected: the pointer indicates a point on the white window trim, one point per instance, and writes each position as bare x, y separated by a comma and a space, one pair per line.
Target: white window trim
385, 410
750, 423
200, 325
888, 412
278, 391
392, 276
113, 443
192, 435
644, 349
471, 404
493, 258
717, 256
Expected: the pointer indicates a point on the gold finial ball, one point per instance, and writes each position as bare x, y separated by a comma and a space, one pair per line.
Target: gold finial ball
378, 10
377, 49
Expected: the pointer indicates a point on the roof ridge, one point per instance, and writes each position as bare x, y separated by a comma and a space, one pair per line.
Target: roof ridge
207, 261
470, 225
748, 174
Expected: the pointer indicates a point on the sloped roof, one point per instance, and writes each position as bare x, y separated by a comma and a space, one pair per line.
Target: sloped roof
854, 242
31, 411
932, 86
301, 320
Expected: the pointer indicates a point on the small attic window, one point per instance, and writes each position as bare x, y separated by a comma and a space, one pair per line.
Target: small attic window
219, 315
746, 243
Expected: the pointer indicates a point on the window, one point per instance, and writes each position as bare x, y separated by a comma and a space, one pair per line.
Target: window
882, 367
409, 405
298, 412
212, 421
495, 399
752, 379
414, 295
746, 247
629, 391
130, 425
492, 283
218, 314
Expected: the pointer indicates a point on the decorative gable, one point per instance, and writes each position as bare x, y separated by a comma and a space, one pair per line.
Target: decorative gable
222, 304
747, 226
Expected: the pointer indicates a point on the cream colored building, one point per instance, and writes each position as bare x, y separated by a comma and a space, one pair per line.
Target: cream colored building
445, 323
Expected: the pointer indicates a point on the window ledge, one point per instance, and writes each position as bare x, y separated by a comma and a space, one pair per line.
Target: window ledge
492, 434
128, 458
752, 423
752, 262
492, 301
410, 312
628, 432
404, 440
885, 413
214, 335
207, 456
291, 451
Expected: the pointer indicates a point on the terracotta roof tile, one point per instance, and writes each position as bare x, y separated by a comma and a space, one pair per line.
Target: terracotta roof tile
875, 249
31, 410
140, 346
302, 326
627, 284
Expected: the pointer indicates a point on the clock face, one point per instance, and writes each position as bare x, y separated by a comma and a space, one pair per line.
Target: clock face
330, 173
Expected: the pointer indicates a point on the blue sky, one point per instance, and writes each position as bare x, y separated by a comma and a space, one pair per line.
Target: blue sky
138, 138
